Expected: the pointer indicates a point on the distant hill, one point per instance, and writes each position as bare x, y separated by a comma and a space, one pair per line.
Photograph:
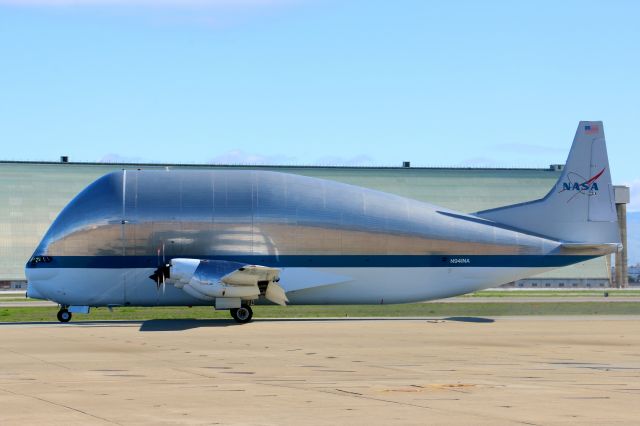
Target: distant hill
633, 237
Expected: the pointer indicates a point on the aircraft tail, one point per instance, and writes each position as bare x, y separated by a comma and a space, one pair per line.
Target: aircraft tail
580, 208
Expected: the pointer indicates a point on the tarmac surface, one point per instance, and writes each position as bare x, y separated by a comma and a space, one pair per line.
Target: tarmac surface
469, 371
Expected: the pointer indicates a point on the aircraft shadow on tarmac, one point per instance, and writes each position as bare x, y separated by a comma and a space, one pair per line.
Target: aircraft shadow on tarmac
183, 324
187, 324
470, 319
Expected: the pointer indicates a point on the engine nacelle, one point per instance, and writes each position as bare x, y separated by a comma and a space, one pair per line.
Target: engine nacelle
182, 270
214, 290
212, 279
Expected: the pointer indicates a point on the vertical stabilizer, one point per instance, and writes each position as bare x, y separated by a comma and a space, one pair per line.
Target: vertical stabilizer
580, 207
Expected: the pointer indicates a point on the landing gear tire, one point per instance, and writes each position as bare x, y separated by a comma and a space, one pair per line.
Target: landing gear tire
64, 315
243, 314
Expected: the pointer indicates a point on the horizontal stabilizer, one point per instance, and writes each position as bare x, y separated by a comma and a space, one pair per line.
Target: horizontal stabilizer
601, 249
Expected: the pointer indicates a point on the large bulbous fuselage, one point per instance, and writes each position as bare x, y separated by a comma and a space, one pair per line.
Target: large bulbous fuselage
108, 239
258, 213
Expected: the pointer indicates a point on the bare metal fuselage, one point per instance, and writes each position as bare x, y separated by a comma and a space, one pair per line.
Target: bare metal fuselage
335, 243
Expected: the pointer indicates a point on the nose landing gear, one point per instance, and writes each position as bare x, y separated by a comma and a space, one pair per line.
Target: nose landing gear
64, 315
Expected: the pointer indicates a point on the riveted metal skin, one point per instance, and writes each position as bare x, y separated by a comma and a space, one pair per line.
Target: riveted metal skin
249, 213
335, 243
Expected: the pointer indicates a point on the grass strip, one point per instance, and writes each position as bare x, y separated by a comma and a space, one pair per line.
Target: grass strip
46, 314
556, 293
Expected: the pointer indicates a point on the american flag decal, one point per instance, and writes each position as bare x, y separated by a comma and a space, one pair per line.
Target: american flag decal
590, 129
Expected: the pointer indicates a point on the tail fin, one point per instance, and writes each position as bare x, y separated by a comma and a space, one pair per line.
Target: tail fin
580, 207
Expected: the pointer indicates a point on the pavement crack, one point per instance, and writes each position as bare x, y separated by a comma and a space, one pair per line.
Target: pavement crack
36, 358
77, 410
351, 394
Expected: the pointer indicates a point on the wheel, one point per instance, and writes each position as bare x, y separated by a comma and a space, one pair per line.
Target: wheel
242, 314
64, 315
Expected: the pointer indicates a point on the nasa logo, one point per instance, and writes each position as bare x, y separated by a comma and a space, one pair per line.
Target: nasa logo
586, 187
579, 186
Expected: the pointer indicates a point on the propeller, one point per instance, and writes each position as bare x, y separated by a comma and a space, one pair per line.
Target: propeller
162, 272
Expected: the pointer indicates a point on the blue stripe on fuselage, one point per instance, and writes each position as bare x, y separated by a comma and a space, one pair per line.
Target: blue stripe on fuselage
324, 261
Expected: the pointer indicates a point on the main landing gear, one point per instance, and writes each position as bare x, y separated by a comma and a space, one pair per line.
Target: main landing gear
64, 315
242, 314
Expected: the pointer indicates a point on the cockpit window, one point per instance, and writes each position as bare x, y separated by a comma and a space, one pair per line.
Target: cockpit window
40, 259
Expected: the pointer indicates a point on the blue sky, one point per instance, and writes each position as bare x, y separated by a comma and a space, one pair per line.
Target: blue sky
318, 82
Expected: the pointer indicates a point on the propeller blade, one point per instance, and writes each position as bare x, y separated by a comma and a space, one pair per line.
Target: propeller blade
161, 274
156, 276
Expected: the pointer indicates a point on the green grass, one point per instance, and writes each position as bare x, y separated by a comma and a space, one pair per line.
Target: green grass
35, 314
555, 293
484, 293
18, 299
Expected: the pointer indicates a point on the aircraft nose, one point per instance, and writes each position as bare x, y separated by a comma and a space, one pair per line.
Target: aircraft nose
39, 274
39, 280
33, 293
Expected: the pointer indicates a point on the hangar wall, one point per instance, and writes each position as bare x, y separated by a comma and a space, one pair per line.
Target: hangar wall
35, 192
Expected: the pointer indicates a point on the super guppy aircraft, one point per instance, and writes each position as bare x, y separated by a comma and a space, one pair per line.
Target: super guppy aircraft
232, 238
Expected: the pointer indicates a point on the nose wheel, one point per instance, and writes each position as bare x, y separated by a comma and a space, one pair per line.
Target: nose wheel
242, 314
64, 315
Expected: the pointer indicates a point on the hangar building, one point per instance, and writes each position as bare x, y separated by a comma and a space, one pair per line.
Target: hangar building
33, 194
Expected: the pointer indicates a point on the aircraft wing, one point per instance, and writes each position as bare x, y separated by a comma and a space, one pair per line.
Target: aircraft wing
254, 275
213, 279
251, 275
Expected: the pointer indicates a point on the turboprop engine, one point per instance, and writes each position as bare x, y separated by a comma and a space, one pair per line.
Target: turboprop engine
226, 283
